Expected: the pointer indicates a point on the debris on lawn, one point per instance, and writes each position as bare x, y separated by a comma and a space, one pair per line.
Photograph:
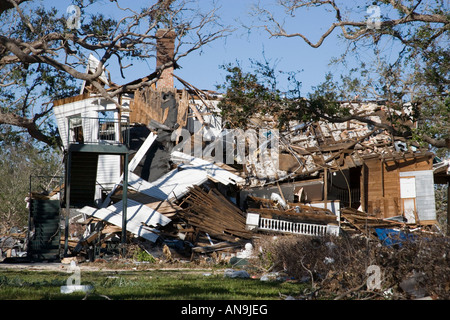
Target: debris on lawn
13, 244
328, 182
163, 174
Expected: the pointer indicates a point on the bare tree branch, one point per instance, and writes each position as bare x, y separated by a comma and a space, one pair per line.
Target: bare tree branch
351, 30
28, 124
28, 41
7, 4
420, 70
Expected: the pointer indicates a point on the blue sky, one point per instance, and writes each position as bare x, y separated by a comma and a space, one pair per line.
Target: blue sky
287, 54
202, 68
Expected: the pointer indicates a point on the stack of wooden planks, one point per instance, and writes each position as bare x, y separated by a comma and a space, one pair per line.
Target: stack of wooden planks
101, 232
211, 213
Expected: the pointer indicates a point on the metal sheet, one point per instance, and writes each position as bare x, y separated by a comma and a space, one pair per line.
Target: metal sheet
222, 175
141, 213
176, 183
424, 193
137, 183
133, 225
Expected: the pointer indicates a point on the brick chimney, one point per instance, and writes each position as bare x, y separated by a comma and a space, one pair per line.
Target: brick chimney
165, 46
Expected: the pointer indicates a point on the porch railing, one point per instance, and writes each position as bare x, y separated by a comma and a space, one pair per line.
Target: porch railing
292, 227
98, 131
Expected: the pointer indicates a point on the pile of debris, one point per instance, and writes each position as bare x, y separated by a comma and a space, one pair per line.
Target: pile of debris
183, 209
313, 179
194, 186
188, 211
13, 244
194, 183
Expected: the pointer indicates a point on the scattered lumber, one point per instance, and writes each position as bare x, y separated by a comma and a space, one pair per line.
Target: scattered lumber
360, 218
296, 211
216, 247
212, 213
365, 223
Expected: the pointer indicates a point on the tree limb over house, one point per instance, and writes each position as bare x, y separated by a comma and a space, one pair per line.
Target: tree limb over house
355, 30
420, 73
38, 44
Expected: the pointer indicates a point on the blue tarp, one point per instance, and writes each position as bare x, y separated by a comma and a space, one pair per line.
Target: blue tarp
390, 237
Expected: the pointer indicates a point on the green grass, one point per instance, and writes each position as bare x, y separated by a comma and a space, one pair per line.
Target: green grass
141, 285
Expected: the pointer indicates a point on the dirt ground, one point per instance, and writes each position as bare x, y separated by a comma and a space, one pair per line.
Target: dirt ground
46, 266
88, 266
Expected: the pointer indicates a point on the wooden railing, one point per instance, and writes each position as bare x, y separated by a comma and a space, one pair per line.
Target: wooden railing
292, 227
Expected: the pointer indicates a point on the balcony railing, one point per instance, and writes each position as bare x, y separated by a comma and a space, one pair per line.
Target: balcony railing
85, 130
254, 221
292, 227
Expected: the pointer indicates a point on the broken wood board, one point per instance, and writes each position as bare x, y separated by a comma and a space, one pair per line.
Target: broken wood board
216, 247
147, 104
363, 222
141, 152
301, 207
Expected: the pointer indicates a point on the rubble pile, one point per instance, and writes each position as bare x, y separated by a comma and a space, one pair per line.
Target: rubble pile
13, 244
311, 179
158, 165
202, 221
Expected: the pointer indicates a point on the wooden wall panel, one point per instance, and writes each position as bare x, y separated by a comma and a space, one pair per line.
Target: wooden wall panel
382, 183
146, 106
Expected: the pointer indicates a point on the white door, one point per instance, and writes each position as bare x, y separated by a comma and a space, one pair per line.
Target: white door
408, 198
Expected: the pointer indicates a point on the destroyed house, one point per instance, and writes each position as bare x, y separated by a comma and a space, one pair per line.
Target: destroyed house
327, 176
122, 169
134, 150
353, 169
156, 163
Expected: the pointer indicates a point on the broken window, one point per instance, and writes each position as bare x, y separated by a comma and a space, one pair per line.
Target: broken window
107, 126
76, 129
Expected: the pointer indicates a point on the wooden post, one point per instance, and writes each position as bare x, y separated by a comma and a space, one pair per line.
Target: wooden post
382, 177
362, 187
325, 186
124, 203
448, 208
66, 228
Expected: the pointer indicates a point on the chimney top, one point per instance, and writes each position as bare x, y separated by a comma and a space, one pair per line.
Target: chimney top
165, 46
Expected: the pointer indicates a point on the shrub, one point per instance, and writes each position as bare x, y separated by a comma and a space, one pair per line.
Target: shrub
141, 255
338, 266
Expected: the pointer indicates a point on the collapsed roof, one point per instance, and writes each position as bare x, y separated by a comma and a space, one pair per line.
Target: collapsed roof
177, 144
